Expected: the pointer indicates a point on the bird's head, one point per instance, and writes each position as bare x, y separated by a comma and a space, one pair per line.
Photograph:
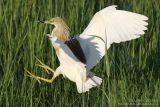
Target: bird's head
61, 29
55, 21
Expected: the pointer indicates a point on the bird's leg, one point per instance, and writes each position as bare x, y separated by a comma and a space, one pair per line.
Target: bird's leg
39, 78
44, 66
56, 73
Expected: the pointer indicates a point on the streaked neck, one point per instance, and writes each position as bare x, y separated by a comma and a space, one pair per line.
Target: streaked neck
61, 32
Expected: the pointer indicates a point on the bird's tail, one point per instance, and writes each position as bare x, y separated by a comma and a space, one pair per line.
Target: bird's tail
91, 81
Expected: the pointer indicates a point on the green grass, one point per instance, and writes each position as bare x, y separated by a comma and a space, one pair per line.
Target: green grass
132, 71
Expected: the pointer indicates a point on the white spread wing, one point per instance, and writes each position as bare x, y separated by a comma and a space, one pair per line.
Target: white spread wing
113, 26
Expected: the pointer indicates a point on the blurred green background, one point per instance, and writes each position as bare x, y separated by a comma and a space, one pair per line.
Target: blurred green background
131, 74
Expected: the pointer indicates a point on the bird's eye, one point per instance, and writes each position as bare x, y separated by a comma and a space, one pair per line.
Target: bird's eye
52, 20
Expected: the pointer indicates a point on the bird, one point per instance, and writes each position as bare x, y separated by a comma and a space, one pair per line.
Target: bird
78, 55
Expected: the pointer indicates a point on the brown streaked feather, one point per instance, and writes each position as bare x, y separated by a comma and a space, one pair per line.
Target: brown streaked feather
61, 34
57, 51
62, 31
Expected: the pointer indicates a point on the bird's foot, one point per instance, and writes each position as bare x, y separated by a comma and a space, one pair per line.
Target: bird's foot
39, 79
44, 66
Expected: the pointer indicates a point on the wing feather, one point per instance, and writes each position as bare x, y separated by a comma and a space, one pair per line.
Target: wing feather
113, 26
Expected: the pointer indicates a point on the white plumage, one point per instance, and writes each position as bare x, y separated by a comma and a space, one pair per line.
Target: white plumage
106, 27
72, 68
113, 26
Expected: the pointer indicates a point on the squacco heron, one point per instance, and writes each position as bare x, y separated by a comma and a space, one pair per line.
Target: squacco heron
80, 54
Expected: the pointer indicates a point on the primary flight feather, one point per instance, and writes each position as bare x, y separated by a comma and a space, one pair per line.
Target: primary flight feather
113, 26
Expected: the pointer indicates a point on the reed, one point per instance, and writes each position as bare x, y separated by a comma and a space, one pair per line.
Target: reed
130, 70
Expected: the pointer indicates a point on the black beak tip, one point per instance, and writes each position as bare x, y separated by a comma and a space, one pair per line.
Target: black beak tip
40, 21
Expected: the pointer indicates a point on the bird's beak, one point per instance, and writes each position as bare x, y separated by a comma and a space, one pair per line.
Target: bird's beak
45, 22
40, 21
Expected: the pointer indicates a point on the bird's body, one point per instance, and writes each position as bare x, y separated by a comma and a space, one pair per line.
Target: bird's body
72, 68
106, 27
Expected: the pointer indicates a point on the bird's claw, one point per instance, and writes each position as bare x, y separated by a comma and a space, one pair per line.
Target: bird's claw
39, 78
33, 76
46, 68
